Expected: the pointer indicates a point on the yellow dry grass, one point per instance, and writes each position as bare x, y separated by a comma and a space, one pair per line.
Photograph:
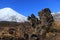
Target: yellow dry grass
56, 25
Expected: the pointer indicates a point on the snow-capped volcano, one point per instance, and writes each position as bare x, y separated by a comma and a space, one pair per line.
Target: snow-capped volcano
8, 14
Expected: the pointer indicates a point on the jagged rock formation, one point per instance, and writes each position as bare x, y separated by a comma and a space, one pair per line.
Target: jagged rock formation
45, 25
46, 21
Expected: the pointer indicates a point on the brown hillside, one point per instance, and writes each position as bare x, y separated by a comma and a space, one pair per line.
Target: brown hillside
44, 28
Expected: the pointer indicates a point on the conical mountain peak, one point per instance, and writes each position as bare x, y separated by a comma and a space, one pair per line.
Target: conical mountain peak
8, 14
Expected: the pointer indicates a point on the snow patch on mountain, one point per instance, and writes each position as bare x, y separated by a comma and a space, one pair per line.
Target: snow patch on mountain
56, 16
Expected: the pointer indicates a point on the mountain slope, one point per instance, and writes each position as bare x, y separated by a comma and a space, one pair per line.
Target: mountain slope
8, 14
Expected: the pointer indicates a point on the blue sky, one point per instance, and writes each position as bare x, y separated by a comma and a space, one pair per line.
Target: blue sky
27, 7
